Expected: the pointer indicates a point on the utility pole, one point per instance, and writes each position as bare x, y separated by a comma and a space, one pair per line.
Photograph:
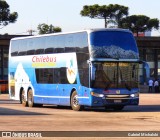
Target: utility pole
30, 31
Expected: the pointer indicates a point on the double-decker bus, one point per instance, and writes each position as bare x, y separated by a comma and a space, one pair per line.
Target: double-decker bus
96, 68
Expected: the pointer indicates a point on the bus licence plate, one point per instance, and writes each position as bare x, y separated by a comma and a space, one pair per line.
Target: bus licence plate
117, 101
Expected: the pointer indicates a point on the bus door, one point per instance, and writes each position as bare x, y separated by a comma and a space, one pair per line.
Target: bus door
64, 87
64, 98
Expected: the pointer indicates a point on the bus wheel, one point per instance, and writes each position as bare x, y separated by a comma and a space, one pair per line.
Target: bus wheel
23, 98
30, 98
75, 103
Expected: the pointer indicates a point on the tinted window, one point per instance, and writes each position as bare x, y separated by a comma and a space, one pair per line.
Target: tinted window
116, 75
30, 52
75, 42
49, 50
83, 68
39, 51
113, 44
51, 76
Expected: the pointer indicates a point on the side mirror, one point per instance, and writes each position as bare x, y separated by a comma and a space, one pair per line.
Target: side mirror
133, 71
146, 66
147, 70
93, 70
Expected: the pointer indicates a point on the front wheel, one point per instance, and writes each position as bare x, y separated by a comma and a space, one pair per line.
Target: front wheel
75, 103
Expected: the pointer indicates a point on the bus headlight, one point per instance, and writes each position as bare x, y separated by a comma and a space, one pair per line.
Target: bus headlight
134, 95
96, 94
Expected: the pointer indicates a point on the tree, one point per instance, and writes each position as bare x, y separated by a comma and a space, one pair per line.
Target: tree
120, 13
5, 16
45, 29
139, 23
110, 14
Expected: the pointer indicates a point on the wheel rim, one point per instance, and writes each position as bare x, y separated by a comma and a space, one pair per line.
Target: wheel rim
23, 97
30, 98
75, 101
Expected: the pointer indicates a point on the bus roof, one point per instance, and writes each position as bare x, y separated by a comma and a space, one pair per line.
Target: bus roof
86, 30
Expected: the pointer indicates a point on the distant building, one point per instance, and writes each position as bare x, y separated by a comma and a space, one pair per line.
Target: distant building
149, 48
142, 34
4, 49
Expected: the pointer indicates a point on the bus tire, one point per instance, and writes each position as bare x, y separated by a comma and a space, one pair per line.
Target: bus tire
23, 99
30, 98
20, 98
20, 95
75, 103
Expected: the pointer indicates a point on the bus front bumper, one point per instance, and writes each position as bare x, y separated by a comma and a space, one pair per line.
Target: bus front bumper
131, 99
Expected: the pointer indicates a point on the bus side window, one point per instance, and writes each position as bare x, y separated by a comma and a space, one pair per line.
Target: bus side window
56, 76
85, 49
30, 52
82, 50
70, 49
14, 53
49, 50
63, 75
59, 50
50, 78
39, 51
22, 53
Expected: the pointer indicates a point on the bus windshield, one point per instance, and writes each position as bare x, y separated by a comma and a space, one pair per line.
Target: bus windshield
115, 75
113, 44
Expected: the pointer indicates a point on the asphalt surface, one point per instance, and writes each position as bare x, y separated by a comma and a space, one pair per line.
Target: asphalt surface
49, 118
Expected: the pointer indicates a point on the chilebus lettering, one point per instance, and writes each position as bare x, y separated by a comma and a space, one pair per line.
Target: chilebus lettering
43, 59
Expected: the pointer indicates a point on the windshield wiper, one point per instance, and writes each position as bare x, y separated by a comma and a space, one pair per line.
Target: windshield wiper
126, 85
108, 85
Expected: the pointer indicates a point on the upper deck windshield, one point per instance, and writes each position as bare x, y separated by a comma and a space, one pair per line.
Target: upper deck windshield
113, 44
115, 75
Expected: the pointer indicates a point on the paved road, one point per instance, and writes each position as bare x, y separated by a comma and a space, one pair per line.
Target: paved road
145, 117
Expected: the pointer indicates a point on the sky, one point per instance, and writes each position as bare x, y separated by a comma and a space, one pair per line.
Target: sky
66, 14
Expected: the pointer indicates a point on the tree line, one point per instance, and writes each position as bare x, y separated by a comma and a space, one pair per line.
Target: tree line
118, 15
114, 15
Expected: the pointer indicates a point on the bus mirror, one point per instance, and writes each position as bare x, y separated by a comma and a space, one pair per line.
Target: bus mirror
146, 66
133, 71
93, 69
